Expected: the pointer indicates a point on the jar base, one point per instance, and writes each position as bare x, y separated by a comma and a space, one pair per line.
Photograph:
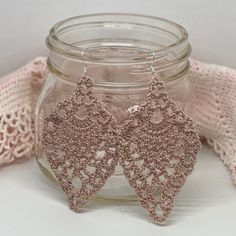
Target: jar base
103, 195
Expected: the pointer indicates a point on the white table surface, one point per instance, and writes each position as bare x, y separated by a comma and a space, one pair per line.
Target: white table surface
31, 205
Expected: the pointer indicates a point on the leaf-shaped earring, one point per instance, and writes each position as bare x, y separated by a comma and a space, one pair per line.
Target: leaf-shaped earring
158, 148
79, 139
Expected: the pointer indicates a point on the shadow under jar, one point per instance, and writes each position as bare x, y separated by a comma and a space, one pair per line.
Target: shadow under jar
118, 50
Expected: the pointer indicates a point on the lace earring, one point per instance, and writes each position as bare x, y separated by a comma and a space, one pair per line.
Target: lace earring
79, 139
157, 148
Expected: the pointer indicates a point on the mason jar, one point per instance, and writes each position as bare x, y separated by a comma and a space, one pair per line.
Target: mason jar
118, 51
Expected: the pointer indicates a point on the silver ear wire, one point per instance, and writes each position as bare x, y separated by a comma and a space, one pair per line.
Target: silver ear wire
154, 73
85, 65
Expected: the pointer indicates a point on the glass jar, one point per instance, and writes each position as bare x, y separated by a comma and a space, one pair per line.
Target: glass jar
118, 50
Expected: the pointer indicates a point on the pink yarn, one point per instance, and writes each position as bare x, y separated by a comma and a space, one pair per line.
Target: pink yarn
213, 108
18, 93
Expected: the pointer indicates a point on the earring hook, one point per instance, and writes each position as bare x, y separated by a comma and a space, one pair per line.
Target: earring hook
85, 65
152, 67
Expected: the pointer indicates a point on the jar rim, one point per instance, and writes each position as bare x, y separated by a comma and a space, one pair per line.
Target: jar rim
55, 43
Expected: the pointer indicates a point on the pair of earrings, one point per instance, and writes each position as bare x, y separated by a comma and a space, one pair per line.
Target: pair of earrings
156, 146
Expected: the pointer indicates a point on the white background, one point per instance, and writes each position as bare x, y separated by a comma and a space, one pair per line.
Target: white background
30, 205
24, 25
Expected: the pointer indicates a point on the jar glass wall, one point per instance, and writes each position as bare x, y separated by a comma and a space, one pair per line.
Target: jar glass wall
118, 51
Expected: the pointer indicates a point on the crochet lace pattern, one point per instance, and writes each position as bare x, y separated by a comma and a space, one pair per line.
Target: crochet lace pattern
212, 107
79, 138
18, 95
156, 146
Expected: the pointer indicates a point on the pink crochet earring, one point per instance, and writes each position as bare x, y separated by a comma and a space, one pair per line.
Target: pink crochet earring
156, 146
80, 138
